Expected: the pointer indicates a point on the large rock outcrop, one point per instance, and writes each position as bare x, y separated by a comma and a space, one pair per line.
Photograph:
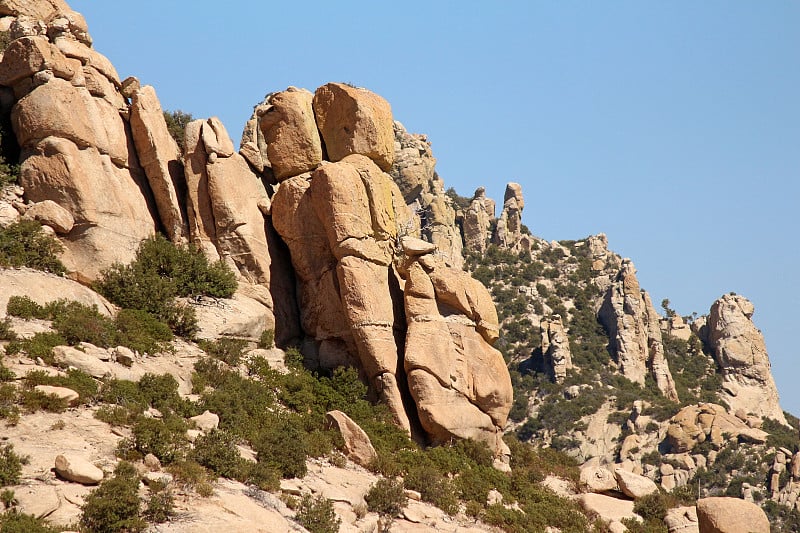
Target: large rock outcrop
421, 335
459, 382
70, 121
633, 326
741, 354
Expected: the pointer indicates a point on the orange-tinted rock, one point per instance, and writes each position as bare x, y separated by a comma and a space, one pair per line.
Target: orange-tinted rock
293, 143
355, 121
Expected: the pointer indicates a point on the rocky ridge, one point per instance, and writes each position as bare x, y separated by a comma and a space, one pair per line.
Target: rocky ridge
344, 240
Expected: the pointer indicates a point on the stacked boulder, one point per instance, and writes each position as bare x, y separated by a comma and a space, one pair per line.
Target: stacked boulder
371, 294
508, 231
555, 347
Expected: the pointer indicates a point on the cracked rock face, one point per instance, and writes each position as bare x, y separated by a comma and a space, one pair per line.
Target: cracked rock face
741, 353
419, 330
555, 347
633, 326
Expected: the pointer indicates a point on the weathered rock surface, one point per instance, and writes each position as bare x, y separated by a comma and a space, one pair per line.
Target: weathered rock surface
357, 445
633, 327
633, 485
43, 288
607, 508
695, 424
77, 469
741, 353
730, 515
682, 520
555, 347
290, 131
431, 212
159, 155
598, 478
476, 222
508, 232
353, 120
68, 395
49, 213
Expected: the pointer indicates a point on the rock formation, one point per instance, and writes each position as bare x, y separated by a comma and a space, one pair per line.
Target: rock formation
741, 354
432, 214
695, 424
555, 347
508, 233
476, 222
633, 327
730, 515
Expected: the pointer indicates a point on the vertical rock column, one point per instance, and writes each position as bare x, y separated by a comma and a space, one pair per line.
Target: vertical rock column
633, 327
555, 347
741, 353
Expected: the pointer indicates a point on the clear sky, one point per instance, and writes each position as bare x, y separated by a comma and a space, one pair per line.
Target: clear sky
673, 127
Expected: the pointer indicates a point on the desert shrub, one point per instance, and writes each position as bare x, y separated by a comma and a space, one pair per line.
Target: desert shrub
9, 411
114, 505
75, 379
386, 497
141, 331
7, 333
24, 243
24, 307
780, 435
40, 345
80, 323
225, 349
176, 125
10, 465
263, 476
283, 447
34, 400
217, 451
6, 374
267, 339
161, 272
316, 514
160, 505
164, 438
648, 526
190, 475
433, 486
161, 391
15, 522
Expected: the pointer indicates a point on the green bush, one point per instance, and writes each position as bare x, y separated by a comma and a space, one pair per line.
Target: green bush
75, 379
161, 504
164, 438
386, 497
7, 333
10, 465
316, 514
225, 349
8, 406
80, 323
24, 243
267, 339
15, 522
141, 331
283, 447
34, 400
114, 506
217, 451
176, 125
161, 272
24, 307
40, 345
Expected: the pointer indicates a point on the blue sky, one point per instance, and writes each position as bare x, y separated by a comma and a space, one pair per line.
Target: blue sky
673, 127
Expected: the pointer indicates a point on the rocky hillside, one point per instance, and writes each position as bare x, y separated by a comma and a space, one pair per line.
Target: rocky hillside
310, 330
